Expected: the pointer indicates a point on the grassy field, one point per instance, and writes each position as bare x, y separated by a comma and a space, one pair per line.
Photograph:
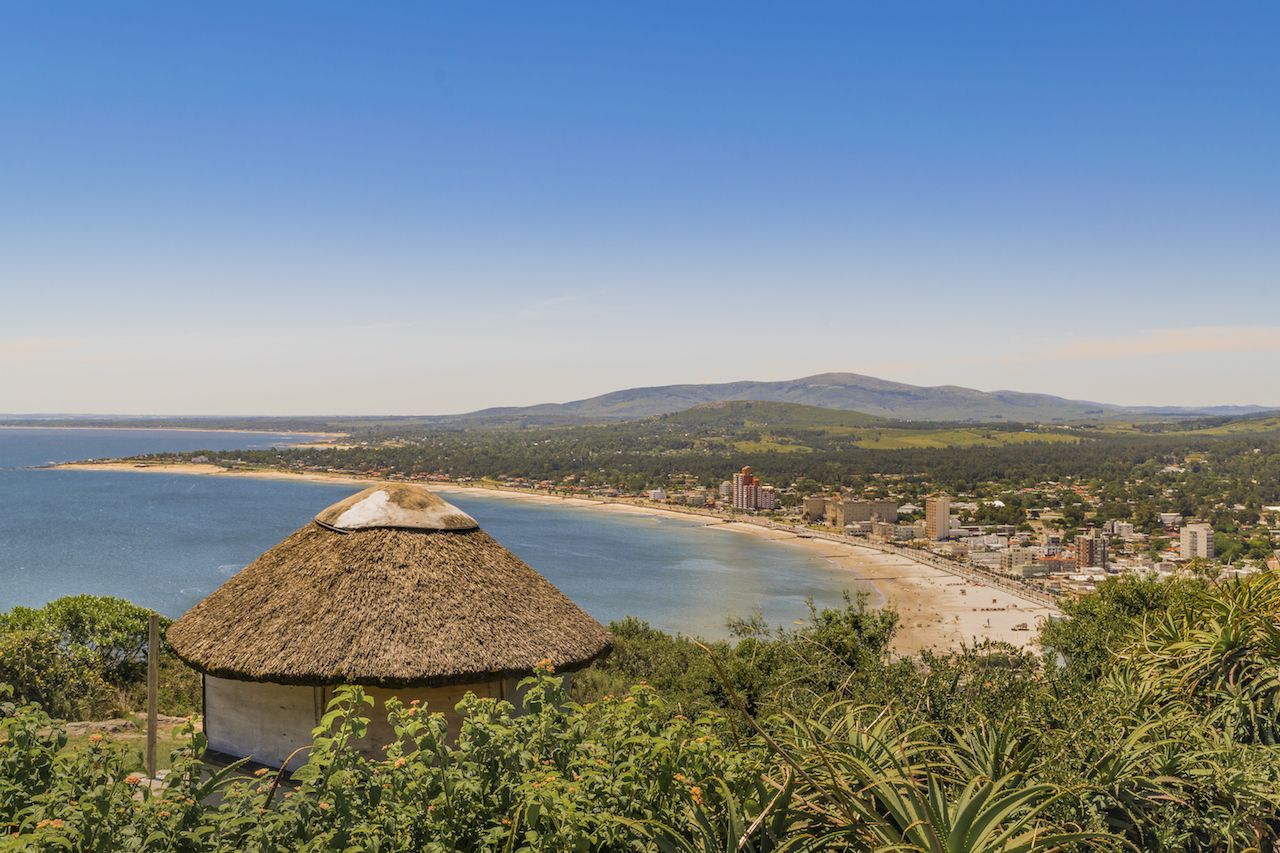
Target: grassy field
791, 428
899, 439
1243, 427
768, 444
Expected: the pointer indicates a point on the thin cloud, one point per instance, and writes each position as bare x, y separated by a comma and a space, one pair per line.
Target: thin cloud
575, 301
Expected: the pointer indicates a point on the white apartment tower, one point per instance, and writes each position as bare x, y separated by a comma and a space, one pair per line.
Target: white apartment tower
1197, 541
937, 518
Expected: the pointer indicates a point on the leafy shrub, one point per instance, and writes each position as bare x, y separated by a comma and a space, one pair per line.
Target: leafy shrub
560, 777
66, 654
838, 653
66, 684
1098, 625
112, 629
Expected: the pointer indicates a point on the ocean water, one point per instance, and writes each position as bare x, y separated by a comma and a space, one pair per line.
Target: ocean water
167, 540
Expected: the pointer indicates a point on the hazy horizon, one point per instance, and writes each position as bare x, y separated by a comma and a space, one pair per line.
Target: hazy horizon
500, 405
317, 208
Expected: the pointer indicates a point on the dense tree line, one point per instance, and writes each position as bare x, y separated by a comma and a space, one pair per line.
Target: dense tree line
1234, 469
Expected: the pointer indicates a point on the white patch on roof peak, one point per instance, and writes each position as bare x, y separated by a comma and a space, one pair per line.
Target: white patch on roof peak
380, 510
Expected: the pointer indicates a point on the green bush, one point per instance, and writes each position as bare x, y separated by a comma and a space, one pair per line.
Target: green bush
839, 653
67, 685
1098, 625
560, 777
75, 652
112, 629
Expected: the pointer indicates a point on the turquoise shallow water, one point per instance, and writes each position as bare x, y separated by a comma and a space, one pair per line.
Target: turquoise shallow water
166, 541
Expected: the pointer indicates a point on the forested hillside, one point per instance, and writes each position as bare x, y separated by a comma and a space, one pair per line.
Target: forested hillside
1233, 461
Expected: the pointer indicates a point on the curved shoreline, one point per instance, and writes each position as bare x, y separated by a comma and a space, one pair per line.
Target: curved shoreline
937, 609
177, 429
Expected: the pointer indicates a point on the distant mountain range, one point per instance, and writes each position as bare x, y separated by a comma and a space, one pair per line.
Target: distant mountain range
842, 391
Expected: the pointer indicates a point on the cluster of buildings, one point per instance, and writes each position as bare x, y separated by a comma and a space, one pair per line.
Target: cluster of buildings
1043, 551
684, 497
746, 492
841, 512
1040, 546
1045, 555
1073, 566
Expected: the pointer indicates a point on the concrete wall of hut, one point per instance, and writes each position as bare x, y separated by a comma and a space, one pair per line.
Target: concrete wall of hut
265, 722
268, 722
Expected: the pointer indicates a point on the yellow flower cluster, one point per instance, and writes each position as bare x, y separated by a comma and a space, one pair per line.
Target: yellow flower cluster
694, 790
549, 780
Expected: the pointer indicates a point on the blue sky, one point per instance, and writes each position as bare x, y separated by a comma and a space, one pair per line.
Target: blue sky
288, 208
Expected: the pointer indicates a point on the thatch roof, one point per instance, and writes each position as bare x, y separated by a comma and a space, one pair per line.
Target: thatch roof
391, 587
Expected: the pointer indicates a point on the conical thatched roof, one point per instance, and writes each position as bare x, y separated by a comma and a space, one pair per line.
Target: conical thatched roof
391, 587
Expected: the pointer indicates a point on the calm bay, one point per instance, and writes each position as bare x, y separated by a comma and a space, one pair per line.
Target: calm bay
167, 540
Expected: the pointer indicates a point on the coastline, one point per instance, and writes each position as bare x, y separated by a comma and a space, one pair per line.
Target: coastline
936, 609
178, 429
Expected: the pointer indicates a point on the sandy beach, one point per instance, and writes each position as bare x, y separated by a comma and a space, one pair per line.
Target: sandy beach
938, 610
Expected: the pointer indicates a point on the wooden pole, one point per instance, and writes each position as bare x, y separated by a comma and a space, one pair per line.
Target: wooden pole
153, 689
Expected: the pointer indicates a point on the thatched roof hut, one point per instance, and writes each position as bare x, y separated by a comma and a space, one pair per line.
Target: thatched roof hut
392, 588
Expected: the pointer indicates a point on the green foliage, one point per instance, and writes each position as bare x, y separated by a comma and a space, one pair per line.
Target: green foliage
1162, 738
85, 657
890, 787
560, 777
29, 743
981, 682
838, 652
66, 683
1218, 653
111, 629
1097, 626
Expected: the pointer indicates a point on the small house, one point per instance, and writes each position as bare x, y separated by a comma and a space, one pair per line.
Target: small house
393, 589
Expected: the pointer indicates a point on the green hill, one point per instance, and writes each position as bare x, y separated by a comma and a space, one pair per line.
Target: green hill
754, 413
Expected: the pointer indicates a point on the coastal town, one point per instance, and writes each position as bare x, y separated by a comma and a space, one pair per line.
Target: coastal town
1038, 547
1047, 541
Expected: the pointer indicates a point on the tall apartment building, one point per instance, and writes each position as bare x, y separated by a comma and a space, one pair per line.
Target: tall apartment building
1197, 541
1091, 551
744, 489
937, 518
750, 494
884, 511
